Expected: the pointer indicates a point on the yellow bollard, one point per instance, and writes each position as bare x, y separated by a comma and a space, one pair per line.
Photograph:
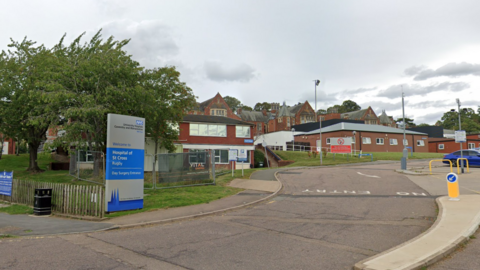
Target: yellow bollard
458, 164
452, 183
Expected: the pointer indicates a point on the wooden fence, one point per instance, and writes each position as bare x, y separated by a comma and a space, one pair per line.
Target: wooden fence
66, 199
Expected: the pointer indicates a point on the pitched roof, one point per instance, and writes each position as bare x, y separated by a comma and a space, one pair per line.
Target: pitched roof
363, 127
355, 114
285, 111
294, 109
213, 119
254, 116
384, 118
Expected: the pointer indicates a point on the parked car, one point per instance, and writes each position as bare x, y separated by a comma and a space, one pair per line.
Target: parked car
472, 155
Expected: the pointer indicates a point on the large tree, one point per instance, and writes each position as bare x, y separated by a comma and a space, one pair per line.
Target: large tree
233, 103
262, 106
166, 102
350, 106
29, 87
409, 122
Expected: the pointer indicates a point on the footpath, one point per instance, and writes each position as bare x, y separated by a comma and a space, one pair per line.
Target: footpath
456, 221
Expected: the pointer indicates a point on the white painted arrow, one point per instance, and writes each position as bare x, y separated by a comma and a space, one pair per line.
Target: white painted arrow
374, 176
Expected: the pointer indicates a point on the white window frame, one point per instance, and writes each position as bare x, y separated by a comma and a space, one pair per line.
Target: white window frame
327, 141
441, 146
366, 140
471, 145
218, 156
242, 131
212, 130
380, 141
420, 143
393, 141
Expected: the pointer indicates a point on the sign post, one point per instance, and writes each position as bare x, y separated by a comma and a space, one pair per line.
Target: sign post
125, 163
341, 145
452, 183
242, 156
232, 156
6, 183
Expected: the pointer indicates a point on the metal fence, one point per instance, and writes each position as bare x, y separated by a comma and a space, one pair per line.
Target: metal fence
88, 166
180, 170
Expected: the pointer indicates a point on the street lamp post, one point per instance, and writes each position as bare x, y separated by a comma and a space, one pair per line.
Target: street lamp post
317, 82
293, 139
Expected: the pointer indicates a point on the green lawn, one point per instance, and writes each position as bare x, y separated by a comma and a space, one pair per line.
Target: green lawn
302, 158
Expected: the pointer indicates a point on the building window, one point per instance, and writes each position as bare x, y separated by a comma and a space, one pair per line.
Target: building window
221, 156
197, 156
393, 142
279, 120
210, 130
380, 141
242, 131
405, 142
288, 122
85, 156
259, 126
366, 140
441, 146
420, 143
471, 145
328, 140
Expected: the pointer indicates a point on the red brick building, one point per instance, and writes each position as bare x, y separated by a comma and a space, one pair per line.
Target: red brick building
258, 118
214, 106
368, 138
448, 145
205, 132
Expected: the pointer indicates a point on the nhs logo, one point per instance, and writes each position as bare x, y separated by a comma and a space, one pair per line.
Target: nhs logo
139, 122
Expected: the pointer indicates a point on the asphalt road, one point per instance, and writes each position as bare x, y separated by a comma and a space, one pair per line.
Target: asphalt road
326, 218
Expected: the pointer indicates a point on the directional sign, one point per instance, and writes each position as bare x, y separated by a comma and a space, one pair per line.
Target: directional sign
452, 183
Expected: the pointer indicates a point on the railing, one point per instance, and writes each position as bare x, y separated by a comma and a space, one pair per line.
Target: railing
66, 199
430, 164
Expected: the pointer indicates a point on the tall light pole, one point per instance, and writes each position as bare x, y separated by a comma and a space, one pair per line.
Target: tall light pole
405, 151
459, 129
317, 82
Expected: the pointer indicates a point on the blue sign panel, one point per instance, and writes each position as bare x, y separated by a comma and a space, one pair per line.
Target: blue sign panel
6, 183
125, 163
248, 141
452, 177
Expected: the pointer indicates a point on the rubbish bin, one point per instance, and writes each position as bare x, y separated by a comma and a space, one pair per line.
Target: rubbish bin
260, 164
43, 202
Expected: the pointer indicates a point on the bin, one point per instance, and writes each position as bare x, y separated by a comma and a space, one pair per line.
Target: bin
43, 202
260, 164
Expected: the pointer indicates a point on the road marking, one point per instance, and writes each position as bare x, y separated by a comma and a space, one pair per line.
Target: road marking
374, 176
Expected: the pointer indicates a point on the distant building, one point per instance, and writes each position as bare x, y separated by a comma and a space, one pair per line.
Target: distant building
214, 106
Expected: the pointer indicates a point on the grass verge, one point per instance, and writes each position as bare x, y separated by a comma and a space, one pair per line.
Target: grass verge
302, 158
17, 209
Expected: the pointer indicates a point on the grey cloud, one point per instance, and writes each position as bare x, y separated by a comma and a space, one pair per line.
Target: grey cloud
431, 118
395, 91
449, 70
151, 41
217, 72
414, 70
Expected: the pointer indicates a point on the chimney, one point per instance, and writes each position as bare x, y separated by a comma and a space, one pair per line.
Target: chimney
239, 111
264, 112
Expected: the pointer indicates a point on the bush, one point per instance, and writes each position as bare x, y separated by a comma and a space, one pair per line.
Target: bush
258, 157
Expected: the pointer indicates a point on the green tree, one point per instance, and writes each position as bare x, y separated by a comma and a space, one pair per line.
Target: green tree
29, 87
233, 103
168, 99
262, 106
246, 108
350, 106
409, 122
423, 125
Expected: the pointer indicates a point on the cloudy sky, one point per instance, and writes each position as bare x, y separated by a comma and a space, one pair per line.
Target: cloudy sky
266, 50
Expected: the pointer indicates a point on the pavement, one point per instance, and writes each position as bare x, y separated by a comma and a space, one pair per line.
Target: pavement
457, 219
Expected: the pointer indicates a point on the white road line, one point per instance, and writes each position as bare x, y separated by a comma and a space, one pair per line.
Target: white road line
374, 176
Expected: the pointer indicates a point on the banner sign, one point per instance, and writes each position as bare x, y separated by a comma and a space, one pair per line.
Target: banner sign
341, 145
125, 162
6, 183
